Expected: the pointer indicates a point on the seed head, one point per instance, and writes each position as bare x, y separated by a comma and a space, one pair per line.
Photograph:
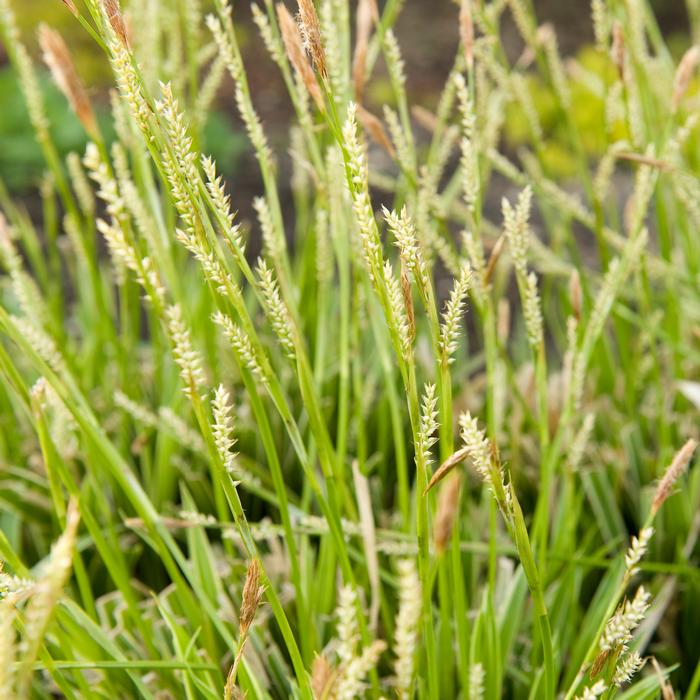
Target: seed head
673, 472
58, 59
252, 595
310, 30
447, 509
688, 64
115, 18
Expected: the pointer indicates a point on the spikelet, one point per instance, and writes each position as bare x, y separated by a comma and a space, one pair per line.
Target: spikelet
347, 628
252, 596
476, 681
485, 460
181, 142
580, 442
394, 63
548, 39
407, 627
41, 342
466, 32
592, 692
517, 228
409, 247
275, 308
601, 23
684, 73
295, 53
71, 6
57, 57
356, 165
45, 596
398, 317
222, 428
270, 240
672, 474
637, 549
186, 358
323, 677
310, 31
401, 148
428, 425
27, 76
618, 630
532, 312
7, 647
363, 28
241, 344
352, 682
523, 21
627, 668
272, 43
452, 315
81, 185
469, 162
374, 127
113, 13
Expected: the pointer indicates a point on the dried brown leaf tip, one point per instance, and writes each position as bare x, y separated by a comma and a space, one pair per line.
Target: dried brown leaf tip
446, 467
673, 473
686, 68
295, 53
115, 18
310, 30
252, 595
58, 59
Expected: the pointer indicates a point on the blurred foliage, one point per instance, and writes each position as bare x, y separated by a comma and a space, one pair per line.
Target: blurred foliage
588, 112
21, 161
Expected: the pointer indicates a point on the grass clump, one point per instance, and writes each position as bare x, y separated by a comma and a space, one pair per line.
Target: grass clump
275, 458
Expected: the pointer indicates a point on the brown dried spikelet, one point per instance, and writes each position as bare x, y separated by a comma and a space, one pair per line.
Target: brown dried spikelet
688, 64
575, 294
71, 6
252, 595
374, 127
424, 117
466, 31
617, 51
295, 53
363, 26
323, 678
446, 467
311, 35
672, 474
115, 18
447, 509
493, 259
58, 59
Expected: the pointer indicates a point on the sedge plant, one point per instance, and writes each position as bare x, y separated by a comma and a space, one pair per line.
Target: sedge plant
423, 428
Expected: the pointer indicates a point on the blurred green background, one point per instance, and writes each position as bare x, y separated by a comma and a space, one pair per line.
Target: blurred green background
427, 58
